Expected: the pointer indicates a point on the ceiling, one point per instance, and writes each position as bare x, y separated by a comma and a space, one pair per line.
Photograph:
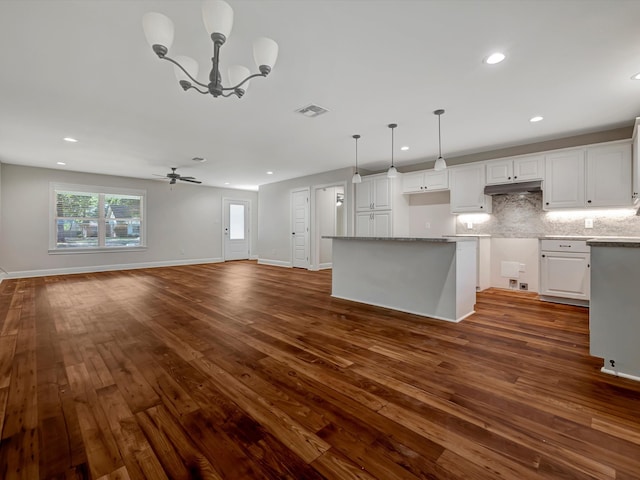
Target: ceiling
83, 69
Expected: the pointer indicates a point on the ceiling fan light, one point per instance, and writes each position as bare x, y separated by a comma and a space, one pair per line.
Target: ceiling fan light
189, 64
217, 16
265, 52
158, 29
356, 178
392, 172
440, 164
237, 73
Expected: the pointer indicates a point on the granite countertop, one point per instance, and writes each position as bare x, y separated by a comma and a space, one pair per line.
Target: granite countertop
629, 242
474, 235
406, 239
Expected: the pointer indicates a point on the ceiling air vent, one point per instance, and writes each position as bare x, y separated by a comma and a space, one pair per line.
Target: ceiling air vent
312, 110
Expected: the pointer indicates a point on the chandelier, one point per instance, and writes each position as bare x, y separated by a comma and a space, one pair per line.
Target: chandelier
218, 21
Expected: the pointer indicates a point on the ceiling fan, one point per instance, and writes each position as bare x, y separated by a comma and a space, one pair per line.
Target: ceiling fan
173, 176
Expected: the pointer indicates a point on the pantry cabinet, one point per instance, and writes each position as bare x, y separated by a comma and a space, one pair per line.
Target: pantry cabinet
381, 209
374, 193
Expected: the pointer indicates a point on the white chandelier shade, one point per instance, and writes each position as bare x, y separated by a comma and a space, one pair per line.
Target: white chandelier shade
265, 52
217, 16
237, 73
158, 29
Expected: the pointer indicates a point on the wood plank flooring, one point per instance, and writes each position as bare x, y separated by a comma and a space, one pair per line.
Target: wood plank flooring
243, 371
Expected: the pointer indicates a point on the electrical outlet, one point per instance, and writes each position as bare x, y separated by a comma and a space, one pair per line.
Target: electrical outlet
523, 268
524, 286
513, 283
588, 223
469, 225
427, 225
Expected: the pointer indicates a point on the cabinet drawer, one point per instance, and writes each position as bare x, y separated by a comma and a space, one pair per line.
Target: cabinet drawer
578, 246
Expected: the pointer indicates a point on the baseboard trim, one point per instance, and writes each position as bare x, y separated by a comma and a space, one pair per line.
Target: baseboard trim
619, 374
565, 301
325, 266
109, 268
274, 263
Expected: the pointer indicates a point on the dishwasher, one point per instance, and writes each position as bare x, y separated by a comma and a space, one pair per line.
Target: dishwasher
565, 271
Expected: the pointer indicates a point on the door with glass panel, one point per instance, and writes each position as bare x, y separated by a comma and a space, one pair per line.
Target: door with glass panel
236, 229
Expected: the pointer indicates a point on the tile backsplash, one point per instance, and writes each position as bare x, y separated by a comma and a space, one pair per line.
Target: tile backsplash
521, 216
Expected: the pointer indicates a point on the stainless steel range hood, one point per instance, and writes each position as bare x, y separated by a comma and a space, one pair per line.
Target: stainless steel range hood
522, 187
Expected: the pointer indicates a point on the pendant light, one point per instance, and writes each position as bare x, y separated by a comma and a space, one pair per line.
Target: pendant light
440, 163
356, 176
392, 172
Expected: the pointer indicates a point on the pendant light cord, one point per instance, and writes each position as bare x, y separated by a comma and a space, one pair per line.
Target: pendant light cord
392, 129
439, 138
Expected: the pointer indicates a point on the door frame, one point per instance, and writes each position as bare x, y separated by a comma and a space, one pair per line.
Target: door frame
309, 225
314, 238
248, 225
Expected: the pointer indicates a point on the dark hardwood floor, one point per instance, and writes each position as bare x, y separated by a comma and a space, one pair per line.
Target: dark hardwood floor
241, 371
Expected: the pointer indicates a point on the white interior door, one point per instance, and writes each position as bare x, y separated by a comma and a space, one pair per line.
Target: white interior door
300, 228
236, 229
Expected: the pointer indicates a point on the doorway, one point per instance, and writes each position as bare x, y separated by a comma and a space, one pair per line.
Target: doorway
300, 228
236, 229
330, 219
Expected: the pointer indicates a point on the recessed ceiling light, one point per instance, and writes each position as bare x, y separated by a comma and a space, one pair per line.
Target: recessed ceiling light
226, 183
404, 149
636, 76
494, 58
536, 119
269, 172
69, 139
61, 163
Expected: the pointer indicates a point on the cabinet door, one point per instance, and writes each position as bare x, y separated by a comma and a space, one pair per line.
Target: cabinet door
608, 176
382, 224
565, 275
636, 161
413, 182
381, 197
436, 180
564, 180
363, 195
528, 168
467, 190
499, 171
363, 224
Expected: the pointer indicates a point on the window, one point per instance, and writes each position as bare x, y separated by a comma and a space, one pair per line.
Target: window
96, 218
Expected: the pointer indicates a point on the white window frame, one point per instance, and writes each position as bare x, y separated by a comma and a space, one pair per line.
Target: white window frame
101, 191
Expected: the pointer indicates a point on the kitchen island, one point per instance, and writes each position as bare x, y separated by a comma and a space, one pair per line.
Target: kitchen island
432, 277
614, 316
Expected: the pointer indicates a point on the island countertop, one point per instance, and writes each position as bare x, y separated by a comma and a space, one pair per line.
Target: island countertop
407, 239
628, 242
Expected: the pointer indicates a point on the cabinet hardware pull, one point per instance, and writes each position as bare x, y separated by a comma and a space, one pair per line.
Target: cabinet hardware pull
544, 256
547, 203
515, 177
565, 246
588, 201
508, 178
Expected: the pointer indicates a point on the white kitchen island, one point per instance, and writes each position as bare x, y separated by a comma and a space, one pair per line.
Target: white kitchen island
433, 277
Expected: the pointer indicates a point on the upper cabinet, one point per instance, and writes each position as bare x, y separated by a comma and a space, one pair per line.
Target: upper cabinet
608, 171
598, 176
521, 169
374, 193
467, 189
636, 161
425, 181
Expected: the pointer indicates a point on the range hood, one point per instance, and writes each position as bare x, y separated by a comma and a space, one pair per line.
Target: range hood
522, 187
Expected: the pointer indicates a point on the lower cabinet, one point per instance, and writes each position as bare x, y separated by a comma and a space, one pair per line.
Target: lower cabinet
374, 224
565, 275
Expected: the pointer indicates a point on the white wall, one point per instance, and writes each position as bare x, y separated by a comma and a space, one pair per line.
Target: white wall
185, 218
432, 209
274, 212
521, 250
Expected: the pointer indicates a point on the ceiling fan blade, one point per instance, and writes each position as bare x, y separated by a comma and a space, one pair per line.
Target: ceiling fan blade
156, 175
188, 179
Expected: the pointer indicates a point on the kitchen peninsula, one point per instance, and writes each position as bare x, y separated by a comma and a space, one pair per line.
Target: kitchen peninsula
433, 277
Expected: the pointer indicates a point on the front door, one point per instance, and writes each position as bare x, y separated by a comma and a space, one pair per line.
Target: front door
236, 229
300, 228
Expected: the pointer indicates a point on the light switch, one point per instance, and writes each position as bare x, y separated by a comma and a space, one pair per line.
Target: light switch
427, 225
469, 225
588, 223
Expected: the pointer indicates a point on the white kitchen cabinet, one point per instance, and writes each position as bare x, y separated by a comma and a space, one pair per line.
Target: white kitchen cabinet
425, 181
597, 176
510, 170
564, 179
374, 224
374, 193
565, 271
467, 189
635, 169
608, 182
